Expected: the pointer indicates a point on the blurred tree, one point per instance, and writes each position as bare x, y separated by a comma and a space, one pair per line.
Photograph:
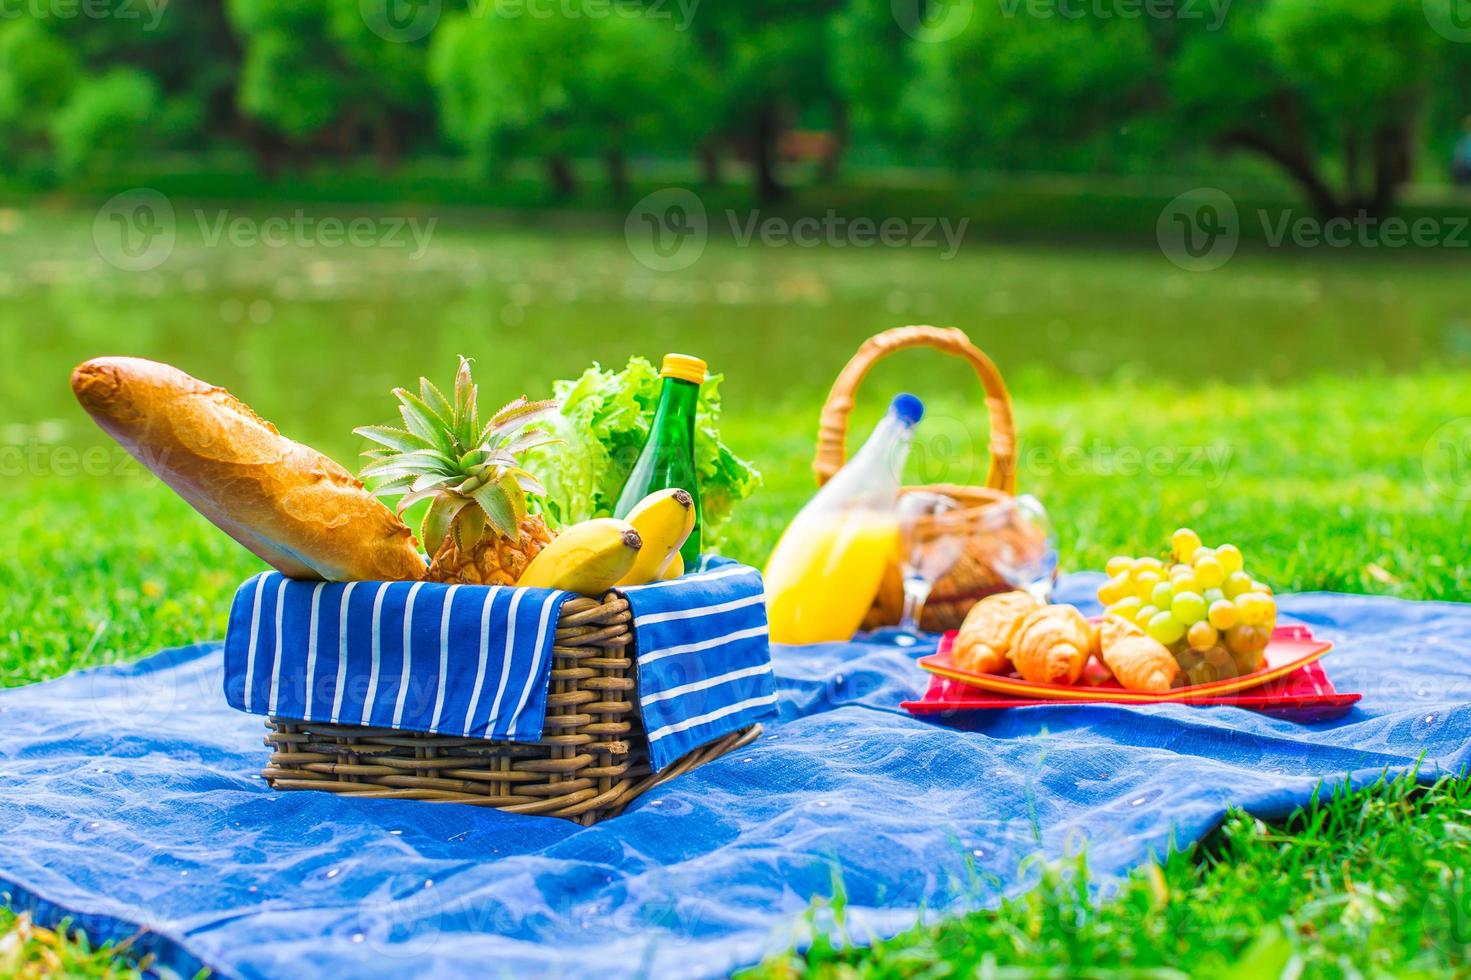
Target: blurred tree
1025, 92
316, 77
771, 59
873, 57
106, 118
564, 87
1331, 91
38, 74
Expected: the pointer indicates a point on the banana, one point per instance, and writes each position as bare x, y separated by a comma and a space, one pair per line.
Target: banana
674, 569
586, 558
664, 520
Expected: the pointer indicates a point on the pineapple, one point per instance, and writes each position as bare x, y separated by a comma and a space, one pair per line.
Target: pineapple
477, 529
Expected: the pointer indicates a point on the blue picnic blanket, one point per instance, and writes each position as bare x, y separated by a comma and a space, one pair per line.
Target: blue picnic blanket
476, 660
130, 801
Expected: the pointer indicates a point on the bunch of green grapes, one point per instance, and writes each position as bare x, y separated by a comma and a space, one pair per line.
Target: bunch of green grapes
1202, 604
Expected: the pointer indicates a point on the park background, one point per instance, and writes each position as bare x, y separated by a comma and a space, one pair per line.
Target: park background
1217, 248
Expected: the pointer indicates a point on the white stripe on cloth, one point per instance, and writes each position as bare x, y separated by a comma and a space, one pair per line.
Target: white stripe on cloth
449, 601
372, 694
700, 577
541, 635
254, 638
705, 644
484, 655
403, 677
674, 614
710, 716
311, 659
708, 682
276, 655
341, 653
500, 691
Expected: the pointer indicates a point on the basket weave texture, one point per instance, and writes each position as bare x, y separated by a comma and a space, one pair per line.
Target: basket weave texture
591, 762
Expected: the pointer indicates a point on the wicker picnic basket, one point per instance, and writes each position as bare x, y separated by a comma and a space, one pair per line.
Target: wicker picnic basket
976, 574
590, 764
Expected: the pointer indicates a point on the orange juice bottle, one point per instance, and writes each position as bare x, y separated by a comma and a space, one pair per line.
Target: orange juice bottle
825, 571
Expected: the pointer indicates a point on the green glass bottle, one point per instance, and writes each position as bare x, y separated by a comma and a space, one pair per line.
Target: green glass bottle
668, 457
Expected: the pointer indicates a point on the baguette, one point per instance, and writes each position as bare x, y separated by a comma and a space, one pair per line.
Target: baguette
295, 508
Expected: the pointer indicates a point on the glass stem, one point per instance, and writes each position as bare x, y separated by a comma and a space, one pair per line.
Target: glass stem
916, 591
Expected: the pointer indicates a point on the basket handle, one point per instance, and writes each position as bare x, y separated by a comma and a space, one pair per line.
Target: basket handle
833, 430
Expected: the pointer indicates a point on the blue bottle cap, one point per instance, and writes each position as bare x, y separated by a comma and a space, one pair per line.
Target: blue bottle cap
909, 408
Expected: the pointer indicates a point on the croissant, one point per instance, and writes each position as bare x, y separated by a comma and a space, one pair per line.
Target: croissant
986, 634
1140, 662
1052, 645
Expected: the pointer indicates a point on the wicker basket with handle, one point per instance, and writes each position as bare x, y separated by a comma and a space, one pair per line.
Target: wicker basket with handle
987, 530
591, 762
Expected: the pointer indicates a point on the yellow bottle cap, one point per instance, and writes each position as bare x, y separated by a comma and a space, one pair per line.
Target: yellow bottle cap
684, 367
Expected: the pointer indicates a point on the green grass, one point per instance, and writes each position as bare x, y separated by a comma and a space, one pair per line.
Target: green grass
1293, 404
29, 952
1367, 883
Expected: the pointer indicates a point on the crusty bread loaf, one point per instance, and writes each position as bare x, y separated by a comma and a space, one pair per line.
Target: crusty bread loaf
286, 502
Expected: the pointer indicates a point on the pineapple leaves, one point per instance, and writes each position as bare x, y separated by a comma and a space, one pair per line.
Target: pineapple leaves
421, 420
515, 416
470, 474
529, 483
420, 462
434, 398
437, 520
400, 440
469, 528
466, 392
500, 509
390, 487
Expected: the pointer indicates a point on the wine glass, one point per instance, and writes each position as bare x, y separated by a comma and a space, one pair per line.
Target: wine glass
928, 547
1024, 545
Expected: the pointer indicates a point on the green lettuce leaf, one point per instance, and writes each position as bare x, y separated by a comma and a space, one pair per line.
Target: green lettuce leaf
604, 422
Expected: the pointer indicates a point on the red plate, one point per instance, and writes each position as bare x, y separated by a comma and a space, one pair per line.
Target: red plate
1290, 682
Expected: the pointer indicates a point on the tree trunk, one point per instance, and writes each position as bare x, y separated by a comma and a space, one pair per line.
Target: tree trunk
559, 173
1352, 171
828, 172
710, 160
1302, 170
265, 148
387, 146
1394, 161
763, 153
617, 164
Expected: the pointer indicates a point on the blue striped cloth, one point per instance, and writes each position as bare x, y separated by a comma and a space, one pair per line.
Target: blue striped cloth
448, 659
704, 659
476, 661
